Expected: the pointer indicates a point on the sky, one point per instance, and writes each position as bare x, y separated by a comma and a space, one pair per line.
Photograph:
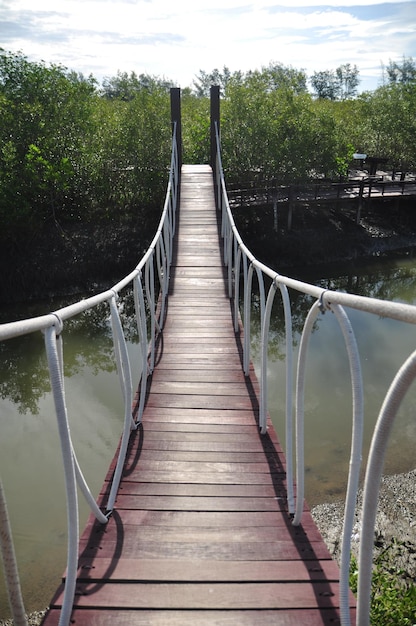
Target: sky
176, 39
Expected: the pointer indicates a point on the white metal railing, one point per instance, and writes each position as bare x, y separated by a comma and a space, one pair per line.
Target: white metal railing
153, 270
240, 261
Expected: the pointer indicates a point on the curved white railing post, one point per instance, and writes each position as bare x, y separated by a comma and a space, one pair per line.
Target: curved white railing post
237, 290
124, 372
300, 410
355, 456
264, 350
397, 391
289, 380
56, 378
142, 332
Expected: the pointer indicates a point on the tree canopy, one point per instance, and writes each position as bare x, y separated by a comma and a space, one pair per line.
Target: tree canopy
71, 149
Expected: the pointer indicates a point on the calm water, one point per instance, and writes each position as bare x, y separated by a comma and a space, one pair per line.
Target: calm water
383, 345
30, 463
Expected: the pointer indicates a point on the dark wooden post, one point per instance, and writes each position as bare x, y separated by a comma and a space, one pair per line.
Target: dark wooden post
290, 195
215, 120
175, 115
215, 117
360, 202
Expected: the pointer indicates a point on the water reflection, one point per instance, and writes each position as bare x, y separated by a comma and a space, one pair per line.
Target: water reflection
383, 345
30, 458
24, 377
30, 463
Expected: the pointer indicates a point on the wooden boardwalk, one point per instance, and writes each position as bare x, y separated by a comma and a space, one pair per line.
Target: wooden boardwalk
200, 534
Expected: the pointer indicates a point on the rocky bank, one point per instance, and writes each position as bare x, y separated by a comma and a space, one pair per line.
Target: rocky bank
395, 522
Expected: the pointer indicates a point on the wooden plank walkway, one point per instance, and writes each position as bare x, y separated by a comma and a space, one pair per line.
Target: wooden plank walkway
200, 534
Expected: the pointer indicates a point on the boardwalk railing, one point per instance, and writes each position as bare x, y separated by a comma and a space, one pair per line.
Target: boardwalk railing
241, 263
149, 283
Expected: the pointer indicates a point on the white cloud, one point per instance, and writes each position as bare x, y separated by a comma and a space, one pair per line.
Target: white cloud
177, 39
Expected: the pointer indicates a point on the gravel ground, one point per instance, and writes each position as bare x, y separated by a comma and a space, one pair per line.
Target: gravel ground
396, 519
34, 619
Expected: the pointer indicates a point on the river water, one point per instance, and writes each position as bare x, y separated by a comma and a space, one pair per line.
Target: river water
30, 464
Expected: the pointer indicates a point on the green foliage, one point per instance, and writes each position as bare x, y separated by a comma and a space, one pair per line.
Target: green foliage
275, 134
67, 153
393, 592
44, 120
403, 73
126, 86
195, 128
204, 80
388, 124
339, 84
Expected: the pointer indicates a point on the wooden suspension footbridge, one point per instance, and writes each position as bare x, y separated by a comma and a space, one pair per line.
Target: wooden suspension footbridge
200, 533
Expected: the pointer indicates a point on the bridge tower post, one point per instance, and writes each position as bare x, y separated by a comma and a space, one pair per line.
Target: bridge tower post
215, 119
175, 115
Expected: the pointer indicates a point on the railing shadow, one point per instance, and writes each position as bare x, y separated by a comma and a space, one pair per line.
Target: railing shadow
306, 551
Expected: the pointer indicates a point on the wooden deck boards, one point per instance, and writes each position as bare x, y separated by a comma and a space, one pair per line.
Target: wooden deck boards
200, 533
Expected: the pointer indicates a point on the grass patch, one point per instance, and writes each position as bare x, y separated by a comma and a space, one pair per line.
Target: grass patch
393, 591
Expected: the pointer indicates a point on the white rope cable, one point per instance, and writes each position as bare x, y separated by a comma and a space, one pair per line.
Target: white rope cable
231, 249
237, 290
142, 331
388, 412
355, 455
150, 295
69, 473
300, 410
82, 483
123, 365
289, 397
263, 367
11, 573
247, 319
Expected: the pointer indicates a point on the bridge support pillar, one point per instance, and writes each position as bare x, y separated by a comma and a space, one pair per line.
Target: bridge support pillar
175, 115
215, 118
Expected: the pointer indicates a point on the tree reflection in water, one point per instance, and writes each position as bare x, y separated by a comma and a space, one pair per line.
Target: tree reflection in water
24, 376
383, 346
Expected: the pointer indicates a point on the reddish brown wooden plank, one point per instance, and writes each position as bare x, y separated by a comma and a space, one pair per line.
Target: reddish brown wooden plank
198, 535
198, 456
230, 429
208, 436
201, 519
237, 571
211, 519
201, 388
203, 467
233, 403
208, 595
287, 617
200, 416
